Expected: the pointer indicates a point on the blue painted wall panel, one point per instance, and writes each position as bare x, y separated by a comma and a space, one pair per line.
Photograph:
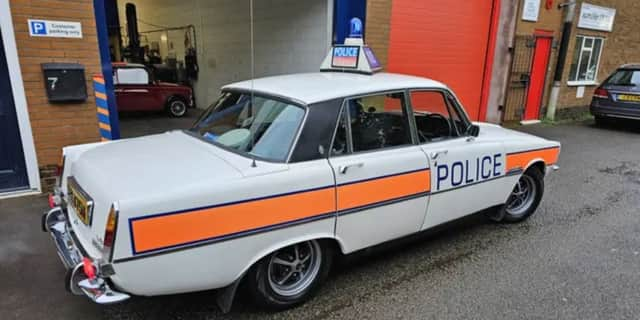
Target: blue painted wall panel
100, 11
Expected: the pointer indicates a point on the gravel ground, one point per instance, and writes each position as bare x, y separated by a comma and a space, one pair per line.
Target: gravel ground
577, 258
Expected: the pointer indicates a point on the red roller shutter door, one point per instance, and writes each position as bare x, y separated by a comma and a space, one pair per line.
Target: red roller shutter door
449, 41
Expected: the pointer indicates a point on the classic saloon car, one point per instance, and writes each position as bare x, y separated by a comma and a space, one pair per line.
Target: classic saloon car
137, 90
276, 178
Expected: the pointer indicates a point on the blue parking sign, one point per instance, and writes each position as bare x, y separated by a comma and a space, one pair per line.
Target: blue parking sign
37, 27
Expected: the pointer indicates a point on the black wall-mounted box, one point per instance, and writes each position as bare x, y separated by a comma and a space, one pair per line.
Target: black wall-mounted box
65, 82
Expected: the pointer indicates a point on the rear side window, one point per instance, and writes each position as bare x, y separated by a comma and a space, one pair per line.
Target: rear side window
625, 78
372, 122
377, 122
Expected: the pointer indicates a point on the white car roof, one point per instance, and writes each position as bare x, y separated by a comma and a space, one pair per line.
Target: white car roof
321, 86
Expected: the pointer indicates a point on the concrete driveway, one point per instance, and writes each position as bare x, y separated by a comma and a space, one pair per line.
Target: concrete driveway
578, 257
135, 124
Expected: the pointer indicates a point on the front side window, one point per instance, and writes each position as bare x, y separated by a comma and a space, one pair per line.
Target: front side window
252, 125
436, 119
374, 122
586, 59
131, 76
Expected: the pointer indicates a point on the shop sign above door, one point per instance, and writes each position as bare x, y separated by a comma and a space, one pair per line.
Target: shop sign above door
596, 17
531, 10
55, 29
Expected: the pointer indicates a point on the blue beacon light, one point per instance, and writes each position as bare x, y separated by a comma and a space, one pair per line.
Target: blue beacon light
355, 28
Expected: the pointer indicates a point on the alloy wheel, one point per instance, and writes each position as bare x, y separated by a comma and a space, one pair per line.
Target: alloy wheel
293, 269
177, 108
522, 196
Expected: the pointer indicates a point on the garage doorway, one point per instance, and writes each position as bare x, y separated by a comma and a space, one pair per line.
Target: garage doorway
204, 45
448, 41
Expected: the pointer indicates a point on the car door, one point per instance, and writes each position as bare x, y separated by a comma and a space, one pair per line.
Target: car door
382, 177
465, 170
132, 90
158, 92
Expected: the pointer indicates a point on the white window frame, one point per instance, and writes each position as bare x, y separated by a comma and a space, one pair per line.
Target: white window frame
583, 48
20, 101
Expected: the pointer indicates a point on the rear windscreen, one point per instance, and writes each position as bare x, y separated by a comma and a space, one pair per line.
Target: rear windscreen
625, 78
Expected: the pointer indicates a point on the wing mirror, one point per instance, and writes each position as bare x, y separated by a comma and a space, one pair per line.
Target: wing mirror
473, 130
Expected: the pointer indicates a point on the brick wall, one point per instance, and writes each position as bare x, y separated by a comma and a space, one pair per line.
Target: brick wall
622, 45
56, 125
377, 26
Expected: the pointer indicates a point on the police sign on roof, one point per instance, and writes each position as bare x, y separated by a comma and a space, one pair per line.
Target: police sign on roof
56, 29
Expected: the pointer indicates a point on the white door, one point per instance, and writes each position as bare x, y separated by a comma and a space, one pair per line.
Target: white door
382, 177
466, 171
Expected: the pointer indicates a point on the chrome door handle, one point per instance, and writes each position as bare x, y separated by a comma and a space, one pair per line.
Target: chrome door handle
436, 154
345, 168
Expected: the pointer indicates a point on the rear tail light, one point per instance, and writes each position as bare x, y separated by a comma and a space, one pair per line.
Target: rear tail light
601, 93
110, 231
88, 268
52, 201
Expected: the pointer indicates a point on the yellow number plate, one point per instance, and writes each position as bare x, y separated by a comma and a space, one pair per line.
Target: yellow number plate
629, 97
80, 201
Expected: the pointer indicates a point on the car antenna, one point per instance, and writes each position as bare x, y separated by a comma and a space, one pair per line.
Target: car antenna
251, 143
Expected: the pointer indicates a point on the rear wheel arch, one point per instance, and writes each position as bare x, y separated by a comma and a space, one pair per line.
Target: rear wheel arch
329, 241
257, 280
172, 97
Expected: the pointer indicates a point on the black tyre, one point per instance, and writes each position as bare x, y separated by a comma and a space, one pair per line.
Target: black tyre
177, 107
525, 197
601, 121
291, 275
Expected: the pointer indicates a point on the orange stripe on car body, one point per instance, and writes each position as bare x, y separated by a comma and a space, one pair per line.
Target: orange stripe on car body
174, 229
520, 160
169, 230
358, 194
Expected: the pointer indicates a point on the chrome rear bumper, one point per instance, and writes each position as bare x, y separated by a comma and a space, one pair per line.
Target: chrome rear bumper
73, 257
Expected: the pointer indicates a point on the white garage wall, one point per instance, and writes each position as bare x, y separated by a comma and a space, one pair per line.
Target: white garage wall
289, 36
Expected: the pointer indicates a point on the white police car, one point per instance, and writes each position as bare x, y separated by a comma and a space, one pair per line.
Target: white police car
280, 175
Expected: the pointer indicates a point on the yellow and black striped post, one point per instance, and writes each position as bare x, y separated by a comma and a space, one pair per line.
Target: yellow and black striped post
104, 123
